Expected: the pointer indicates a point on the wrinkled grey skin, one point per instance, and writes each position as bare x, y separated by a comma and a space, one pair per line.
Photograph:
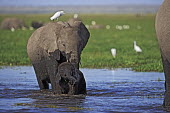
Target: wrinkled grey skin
52, 44
163, 35
70, 80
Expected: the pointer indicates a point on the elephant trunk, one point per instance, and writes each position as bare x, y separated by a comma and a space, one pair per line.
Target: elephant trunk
74, 58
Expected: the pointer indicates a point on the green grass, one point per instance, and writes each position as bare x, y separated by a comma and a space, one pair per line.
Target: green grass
97, 52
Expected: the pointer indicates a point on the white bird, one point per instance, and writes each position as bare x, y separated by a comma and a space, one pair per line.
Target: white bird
93, 22
107, 26
57, 15
119, 27
113, 51
12, 29
76, 15
31, 28
126, 27
137, 48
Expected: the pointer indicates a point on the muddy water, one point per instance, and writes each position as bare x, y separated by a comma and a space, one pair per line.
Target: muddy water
117, 90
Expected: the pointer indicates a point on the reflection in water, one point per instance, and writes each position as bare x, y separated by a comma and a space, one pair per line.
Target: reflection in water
118, 90
113, 72
46, 99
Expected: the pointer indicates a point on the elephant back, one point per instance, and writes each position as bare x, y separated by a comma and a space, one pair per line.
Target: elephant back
43, 41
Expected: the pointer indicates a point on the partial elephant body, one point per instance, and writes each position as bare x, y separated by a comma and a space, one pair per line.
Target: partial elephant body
163, 28
52, 44
163, 35
71, 79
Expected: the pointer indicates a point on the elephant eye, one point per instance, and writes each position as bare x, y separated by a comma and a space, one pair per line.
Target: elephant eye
64, 45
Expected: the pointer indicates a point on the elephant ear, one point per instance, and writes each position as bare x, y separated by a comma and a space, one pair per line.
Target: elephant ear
84, 34
82, 31
49, 36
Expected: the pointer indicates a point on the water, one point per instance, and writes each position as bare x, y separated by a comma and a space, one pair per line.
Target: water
117, 90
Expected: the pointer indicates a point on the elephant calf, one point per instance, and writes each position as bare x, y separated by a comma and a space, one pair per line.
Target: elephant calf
70, 80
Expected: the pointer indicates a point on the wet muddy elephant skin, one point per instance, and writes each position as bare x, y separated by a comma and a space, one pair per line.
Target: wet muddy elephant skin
70, 80
163, 35
52, 44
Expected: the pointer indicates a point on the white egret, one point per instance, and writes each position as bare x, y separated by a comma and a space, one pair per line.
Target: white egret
31, 28
57, 15
12, 29
107, 26
76, 15
93, 22
137, 48
126, 27
119, 27
113, 51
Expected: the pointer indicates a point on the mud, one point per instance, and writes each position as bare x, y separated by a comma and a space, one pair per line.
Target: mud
117, 90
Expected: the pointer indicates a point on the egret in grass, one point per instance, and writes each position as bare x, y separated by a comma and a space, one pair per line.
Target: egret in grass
31, 28
57, 15
12, 29
113, 51
107, 26
119, 27
76, 15
126, 27
93, 22
137, 48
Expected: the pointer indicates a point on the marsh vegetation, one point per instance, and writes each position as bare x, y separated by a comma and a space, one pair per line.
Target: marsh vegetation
97, 53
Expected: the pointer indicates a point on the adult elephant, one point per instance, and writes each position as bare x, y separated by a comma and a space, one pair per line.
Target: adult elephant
52, 44
163, 35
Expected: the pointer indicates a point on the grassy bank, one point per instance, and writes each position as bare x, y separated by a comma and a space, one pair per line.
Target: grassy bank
97, 52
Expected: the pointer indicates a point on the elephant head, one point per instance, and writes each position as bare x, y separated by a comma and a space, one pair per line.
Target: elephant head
71, 40
70, 79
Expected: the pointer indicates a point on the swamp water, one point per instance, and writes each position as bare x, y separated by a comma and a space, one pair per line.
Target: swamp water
117, 90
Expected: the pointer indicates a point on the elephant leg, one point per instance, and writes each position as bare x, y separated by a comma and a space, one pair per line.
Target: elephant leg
39, 71
166, 66
52, 66
82, 86
73, 89
82, 83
